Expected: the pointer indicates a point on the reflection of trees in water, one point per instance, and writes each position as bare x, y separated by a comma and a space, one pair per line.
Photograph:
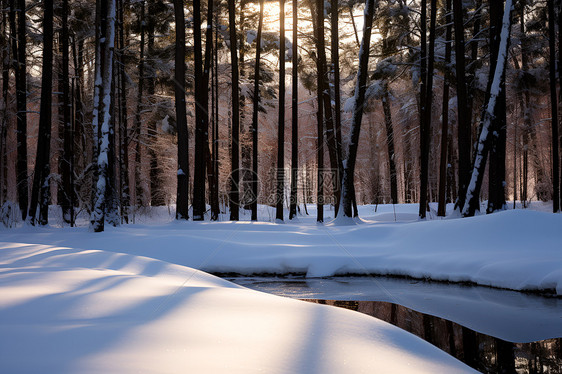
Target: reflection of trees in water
485, 353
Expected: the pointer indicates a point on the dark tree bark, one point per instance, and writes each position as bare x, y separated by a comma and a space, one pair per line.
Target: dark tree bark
472, 65
464, 132
319, 115
40, 191
5, 56
138, 114
182, 205
425, 126
441, 209
67, 160
201, 119
208, 66
360, 89
215, 203
390, 147
294, 119
20, 72
554, 109
123, 130
496, 179
255, 111
281, 119
335, 55
234, 194
324, 91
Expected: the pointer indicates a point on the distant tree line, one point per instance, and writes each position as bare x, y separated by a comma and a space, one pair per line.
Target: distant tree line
107, 107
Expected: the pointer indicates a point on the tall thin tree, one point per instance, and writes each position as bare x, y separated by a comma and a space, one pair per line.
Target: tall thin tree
281, 118
359, 100
101, 118
554, 109
255, 111
182, 205
294, 118
40, 191
234, 195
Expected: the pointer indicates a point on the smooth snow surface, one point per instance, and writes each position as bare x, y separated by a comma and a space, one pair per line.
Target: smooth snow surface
70, 310
129, 299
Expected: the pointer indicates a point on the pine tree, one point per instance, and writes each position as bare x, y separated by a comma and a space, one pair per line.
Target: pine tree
182, 205
40, 192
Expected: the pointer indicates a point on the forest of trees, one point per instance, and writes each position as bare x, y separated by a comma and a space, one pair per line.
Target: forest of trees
108, 107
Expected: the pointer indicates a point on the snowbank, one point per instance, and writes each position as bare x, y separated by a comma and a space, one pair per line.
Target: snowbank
72, 310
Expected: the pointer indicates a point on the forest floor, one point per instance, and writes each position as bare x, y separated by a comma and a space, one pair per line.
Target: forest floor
138, 297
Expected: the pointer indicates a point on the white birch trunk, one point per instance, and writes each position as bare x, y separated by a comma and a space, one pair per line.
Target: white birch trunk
472, 193
101, 122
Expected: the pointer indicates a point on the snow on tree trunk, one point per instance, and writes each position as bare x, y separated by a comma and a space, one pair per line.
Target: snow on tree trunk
473, 191
101, 122
359, 99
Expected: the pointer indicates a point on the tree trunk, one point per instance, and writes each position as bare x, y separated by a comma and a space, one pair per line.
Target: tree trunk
123, 129
425, 126
138, 114
5, 56
496, 170
20, 72
40, 192
464, 132
441, 209
201, 119
554, 109
360, 89
337, 96
67, 162
472, 203
329, 128
182, 204
234, 194
390, 148
281, 119
319, 9
102, 120
294, 119
255, 111
215, 203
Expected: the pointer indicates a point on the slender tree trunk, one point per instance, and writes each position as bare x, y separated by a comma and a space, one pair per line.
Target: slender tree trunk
123, 129
390, 147
281, 119
425, 126
5, 56
255, 111
20, 71
441, 209
101, 205
471, 66
294, 119
464, 132
554, 109
472, 203
40, 192
324, 89
182, 205
496, 180
138, 113
360, 89
201, 119
67, 161
319, 9
234, 195
335, 55
215, 203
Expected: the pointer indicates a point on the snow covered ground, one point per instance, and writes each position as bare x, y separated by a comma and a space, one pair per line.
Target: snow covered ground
130, 299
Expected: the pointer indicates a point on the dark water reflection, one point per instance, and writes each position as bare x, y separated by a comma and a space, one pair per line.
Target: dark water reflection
485, 353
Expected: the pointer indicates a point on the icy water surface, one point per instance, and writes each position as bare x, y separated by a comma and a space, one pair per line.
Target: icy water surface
489, 329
